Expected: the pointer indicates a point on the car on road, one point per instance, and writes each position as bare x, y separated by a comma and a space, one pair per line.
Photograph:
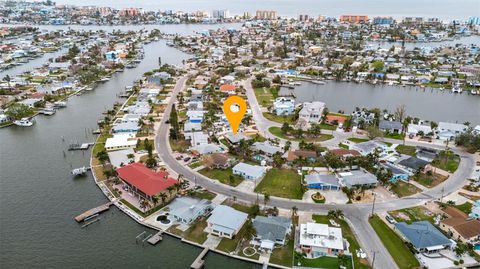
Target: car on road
390, 219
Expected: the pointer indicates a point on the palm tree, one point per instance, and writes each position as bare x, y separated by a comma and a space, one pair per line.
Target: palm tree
294, 211
266, 199
170, 189
155, 200
163, 196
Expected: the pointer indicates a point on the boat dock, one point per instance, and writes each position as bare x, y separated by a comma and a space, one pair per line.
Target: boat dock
153, 240
93, 211
199, 261
77, 146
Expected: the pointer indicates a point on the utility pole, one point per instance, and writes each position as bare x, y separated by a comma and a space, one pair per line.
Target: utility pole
195, 180
373, 208
441, 197
373, 261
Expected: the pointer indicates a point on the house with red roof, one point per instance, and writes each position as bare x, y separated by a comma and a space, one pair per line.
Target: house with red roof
145, 183
227, 88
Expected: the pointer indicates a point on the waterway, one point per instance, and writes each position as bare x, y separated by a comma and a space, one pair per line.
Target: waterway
428, 104
39, 198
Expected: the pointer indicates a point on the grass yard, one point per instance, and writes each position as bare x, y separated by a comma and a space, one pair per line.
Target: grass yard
447, 161
403, 189
326, 126
277, 131
429, 180
412, 214
343, 146
394, 244
180, 145
407, 150
203, 194
225, 176
347, 234
282, 183
195, 164
281, 119
195, 233
284, 255
465, 207
358, 140
324, 262
264, 96
230, 245
394, 136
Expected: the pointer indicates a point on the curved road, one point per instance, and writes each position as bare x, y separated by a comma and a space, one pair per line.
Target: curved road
357, 214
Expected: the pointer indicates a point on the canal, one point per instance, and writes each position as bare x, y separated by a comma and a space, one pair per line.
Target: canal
39, 198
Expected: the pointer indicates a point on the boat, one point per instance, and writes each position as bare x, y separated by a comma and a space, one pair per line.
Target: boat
79, 171
59, 104
473, 92
457, 89
131, 65
24, 122
48, 111
319, 82
104, 79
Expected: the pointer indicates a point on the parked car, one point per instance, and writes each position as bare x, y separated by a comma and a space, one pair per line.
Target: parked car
186, 159
390, 219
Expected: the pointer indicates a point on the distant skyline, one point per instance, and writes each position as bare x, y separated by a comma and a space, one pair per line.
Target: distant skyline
443, 9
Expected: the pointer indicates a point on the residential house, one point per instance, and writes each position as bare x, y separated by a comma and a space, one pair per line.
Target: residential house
235, 138
248, 171
266, 148
283, 106
309, 155
126, 127
397, 173
203, 149
369, 147
271, 231
423, 236
448, 130
311, 112
195, 116
228, 89
460, 226
426, 154
192, 127
225, 221
344, 153
197, 138
144, 183
413, 164
120, 142
318, 240
322, 182
390, 126
415, 129
358, 179
187, 209
219, 161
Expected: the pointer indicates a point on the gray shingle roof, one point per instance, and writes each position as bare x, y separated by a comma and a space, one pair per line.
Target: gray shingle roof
413, 163
322, 179
422, 234
271, 228
390, 125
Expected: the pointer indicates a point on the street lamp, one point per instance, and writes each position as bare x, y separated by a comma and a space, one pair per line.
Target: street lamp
373, 205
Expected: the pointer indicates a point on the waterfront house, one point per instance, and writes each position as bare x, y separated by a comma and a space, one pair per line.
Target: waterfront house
126, 127
187, 209
390, 126
448, 130
369, 147
322, 182
271, 231
31, 102
423, 236
203, 149
363, 116
248, 171
120, 142
415, 129
308, 155
311, 112
358, 179
318, 240
284, 106
225, 221
144, 183
119, 158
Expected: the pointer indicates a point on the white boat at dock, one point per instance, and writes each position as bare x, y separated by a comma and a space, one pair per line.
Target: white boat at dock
318, 82
80, 171
473, 92
59, 104
48, 111
24, 122
104, 79
457, 89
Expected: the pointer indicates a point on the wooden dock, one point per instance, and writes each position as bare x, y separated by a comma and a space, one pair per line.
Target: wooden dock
155, 238
199, 261
93, 211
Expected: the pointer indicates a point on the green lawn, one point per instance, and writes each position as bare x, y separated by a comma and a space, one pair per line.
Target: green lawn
282, 183
195, 233
280, 119
394, 244
229, 245
324, 262
203, 194
347, 234
178, 145
326, 126
407, 150
343, 146
222, 175
447, 161
358, 140
394, 136
465, 207
195, 164
277, 131
412, 214
403, 189
264, 96
284, 255
429, 180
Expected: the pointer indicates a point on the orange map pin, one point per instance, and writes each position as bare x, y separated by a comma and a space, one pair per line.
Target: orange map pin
234, 108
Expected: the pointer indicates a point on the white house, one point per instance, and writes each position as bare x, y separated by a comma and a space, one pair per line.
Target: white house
284, 106
119, 142
311, 112
414, 129
317, 240
225, 221
248, 171
448, 130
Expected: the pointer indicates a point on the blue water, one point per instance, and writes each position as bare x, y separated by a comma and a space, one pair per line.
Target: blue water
477, 247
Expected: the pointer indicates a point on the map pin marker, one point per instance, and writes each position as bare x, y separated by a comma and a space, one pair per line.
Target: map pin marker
234, 108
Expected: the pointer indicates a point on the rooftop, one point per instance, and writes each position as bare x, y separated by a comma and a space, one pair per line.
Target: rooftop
144, 179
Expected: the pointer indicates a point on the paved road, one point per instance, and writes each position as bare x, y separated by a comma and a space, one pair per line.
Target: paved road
357, 214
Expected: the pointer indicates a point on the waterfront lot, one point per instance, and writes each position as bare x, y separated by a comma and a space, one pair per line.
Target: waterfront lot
264, 96
284, 255
276, 131
394, 244
282, 183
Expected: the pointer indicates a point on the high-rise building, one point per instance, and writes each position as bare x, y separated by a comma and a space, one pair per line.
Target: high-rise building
474, 20
266, 15
354, 18
221, 14
383, 20
302, 17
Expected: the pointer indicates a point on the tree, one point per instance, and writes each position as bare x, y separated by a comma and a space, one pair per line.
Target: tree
294, 211
285, 128
266, 199
400, 113
175, 126
373, 132
278, 159
102, 156
18, 111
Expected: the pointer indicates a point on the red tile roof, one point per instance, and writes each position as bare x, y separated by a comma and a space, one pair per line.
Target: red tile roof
227, 88
144, 179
